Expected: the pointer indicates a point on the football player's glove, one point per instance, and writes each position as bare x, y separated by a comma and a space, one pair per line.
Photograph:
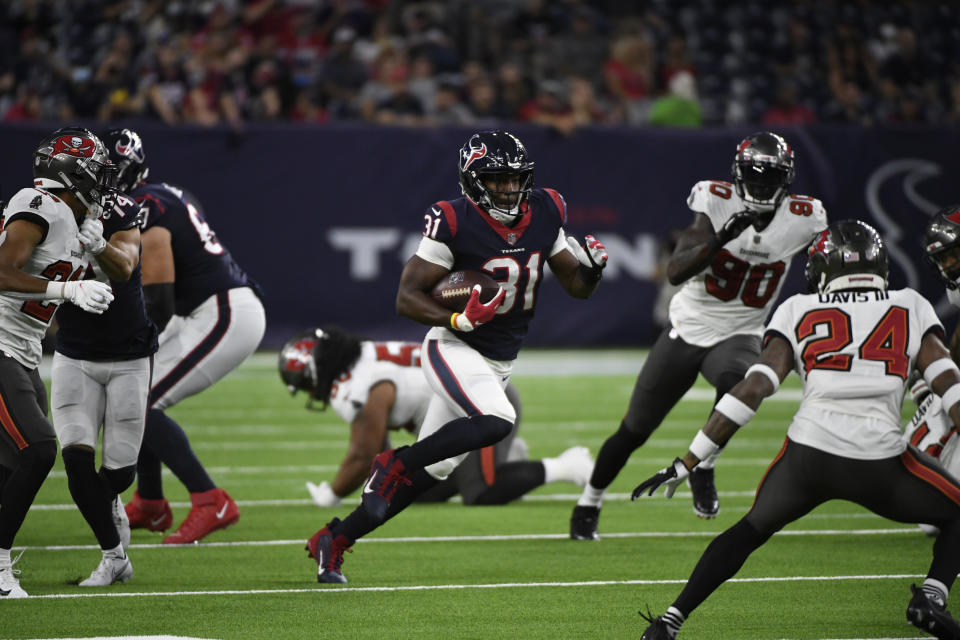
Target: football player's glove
323, 495
671, 477
91, 236
735, 225
90, 295
476, 313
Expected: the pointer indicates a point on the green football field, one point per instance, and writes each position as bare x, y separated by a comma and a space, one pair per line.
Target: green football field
449, 571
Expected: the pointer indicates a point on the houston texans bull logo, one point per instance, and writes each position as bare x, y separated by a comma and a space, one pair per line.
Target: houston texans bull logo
475, 153
74, 145
129, 146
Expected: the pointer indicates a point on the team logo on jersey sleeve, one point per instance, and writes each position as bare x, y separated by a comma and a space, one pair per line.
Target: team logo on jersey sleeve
74, 145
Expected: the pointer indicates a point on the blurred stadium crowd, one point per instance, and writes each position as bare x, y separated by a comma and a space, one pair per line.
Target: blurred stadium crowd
562, 63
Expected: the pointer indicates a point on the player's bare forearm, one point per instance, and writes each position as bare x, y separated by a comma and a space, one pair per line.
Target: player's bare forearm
413, 301
351, 474
572, 276
120, 256
777, 355
22, 236
696, 246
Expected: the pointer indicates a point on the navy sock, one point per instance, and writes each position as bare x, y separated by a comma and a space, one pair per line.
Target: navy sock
92, 496
166, 440
456, 437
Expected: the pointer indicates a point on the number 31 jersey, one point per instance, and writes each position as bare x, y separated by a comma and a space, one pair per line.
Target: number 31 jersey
734, 294
853, 349
59, 256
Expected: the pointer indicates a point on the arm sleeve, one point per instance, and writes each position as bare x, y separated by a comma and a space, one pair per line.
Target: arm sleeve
160, 302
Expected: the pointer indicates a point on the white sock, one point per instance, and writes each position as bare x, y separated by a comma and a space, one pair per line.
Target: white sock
553, 470
116, 552
4, 557
936, 591
591, 497
673, 619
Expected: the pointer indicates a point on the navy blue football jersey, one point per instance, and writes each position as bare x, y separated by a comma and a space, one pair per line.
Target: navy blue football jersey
203, 265
513, 256
123, 331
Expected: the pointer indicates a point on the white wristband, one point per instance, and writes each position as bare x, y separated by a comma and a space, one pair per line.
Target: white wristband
734, 409
702, 446
950, 397
54, 290
937, 367
767, 371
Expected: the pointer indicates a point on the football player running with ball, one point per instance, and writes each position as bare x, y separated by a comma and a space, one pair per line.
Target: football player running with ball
732, 260
508, 229
42, 259
378, 388
853, 343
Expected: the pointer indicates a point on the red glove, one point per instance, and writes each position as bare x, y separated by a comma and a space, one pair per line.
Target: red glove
476, 313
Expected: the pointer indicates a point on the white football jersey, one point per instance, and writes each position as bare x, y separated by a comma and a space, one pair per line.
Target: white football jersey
395, 362
853, 350
59, 256
734, 294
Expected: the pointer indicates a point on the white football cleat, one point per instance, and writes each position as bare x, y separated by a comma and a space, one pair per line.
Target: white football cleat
10, 583
122, 522
577, 465
109, 571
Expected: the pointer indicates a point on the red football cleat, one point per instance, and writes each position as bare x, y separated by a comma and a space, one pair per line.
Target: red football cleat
327, 549
212, 510
386, 473
154, 515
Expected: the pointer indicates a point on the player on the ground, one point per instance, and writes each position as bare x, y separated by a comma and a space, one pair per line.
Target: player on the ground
101, 377
508, 229
732, 260
41, 262
211, 319
378, 387
930, 429
853, 343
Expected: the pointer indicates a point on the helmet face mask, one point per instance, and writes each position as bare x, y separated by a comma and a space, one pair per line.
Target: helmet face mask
125, 149
942, 245
496, 174
75, 159
763, 171
848, 254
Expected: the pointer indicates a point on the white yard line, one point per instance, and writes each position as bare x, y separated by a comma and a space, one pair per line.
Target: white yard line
498, 538
454, 587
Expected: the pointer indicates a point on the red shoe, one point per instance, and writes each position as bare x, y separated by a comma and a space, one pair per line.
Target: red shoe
327, 549
212, 510
386, 473
154, 515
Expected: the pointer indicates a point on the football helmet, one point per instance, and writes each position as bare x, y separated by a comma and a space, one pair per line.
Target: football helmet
496, 174
312, 361
75, 159
941, 245
763, 171
126, 152
848, 254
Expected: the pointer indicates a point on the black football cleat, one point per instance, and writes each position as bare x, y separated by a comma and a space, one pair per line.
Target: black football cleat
386, 473
583, 523
930, 616
327, 549
706, 503
657, 629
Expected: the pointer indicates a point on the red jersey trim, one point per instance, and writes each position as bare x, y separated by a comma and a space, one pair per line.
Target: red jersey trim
450, 214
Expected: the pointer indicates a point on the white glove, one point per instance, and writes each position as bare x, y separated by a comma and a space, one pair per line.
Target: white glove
90, 295
91, 236
323, 495
669, 478
594, 256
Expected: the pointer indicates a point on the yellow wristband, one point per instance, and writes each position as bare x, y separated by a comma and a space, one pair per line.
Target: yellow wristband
453, 320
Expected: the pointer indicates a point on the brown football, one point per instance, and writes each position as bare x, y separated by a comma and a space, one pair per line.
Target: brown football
454, 289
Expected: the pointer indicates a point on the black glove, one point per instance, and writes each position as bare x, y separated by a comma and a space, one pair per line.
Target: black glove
734, 226
671, 476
